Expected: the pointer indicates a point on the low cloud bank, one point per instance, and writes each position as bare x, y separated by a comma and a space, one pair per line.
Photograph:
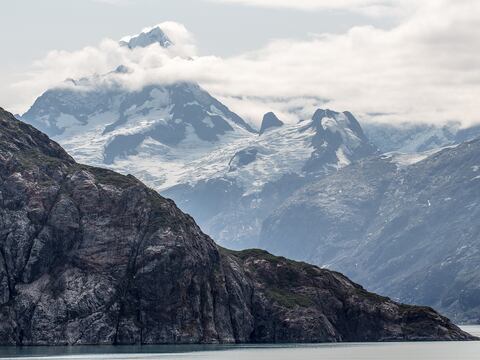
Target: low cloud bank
427, 69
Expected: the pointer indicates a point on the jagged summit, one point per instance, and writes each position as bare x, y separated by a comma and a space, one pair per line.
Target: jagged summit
333, 121
339, 139
147, 38
270, 120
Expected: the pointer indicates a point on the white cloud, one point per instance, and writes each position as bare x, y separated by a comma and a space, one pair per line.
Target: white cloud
59, 65
372, 7
426, 69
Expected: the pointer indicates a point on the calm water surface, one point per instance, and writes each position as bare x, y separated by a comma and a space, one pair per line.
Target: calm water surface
365, 351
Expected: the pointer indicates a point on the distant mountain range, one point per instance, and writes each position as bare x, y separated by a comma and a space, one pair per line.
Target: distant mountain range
414, 138
375, 202
89, 256
115, 126
409, 231
258, 174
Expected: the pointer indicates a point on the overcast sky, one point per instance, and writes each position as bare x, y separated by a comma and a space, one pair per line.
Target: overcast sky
386, 60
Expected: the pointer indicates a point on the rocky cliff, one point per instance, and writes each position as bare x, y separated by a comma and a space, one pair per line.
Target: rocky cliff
88, 256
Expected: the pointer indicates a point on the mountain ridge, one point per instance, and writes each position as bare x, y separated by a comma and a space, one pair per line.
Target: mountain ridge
406, 230
90, 256
148, 37
232, 179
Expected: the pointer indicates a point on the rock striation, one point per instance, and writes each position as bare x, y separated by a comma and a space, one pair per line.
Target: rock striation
88, 256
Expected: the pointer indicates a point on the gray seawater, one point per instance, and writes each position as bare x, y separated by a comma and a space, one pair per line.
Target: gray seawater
352, 351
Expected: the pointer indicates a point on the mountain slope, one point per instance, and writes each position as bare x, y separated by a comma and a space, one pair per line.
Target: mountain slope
131, 130
232, 190
153, 132
181, 141
407, 231
89, 256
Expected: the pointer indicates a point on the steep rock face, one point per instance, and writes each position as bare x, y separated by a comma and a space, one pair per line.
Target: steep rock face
311, 303
406, 230
270, 121
89, 256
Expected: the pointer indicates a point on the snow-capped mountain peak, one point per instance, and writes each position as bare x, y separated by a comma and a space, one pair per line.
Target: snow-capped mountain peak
303, 149
133, 130
338, 140
230, 190
146, 38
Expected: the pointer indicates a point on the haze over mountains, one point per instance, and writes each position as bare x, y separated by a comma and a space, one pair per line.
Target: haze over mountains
374, 201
